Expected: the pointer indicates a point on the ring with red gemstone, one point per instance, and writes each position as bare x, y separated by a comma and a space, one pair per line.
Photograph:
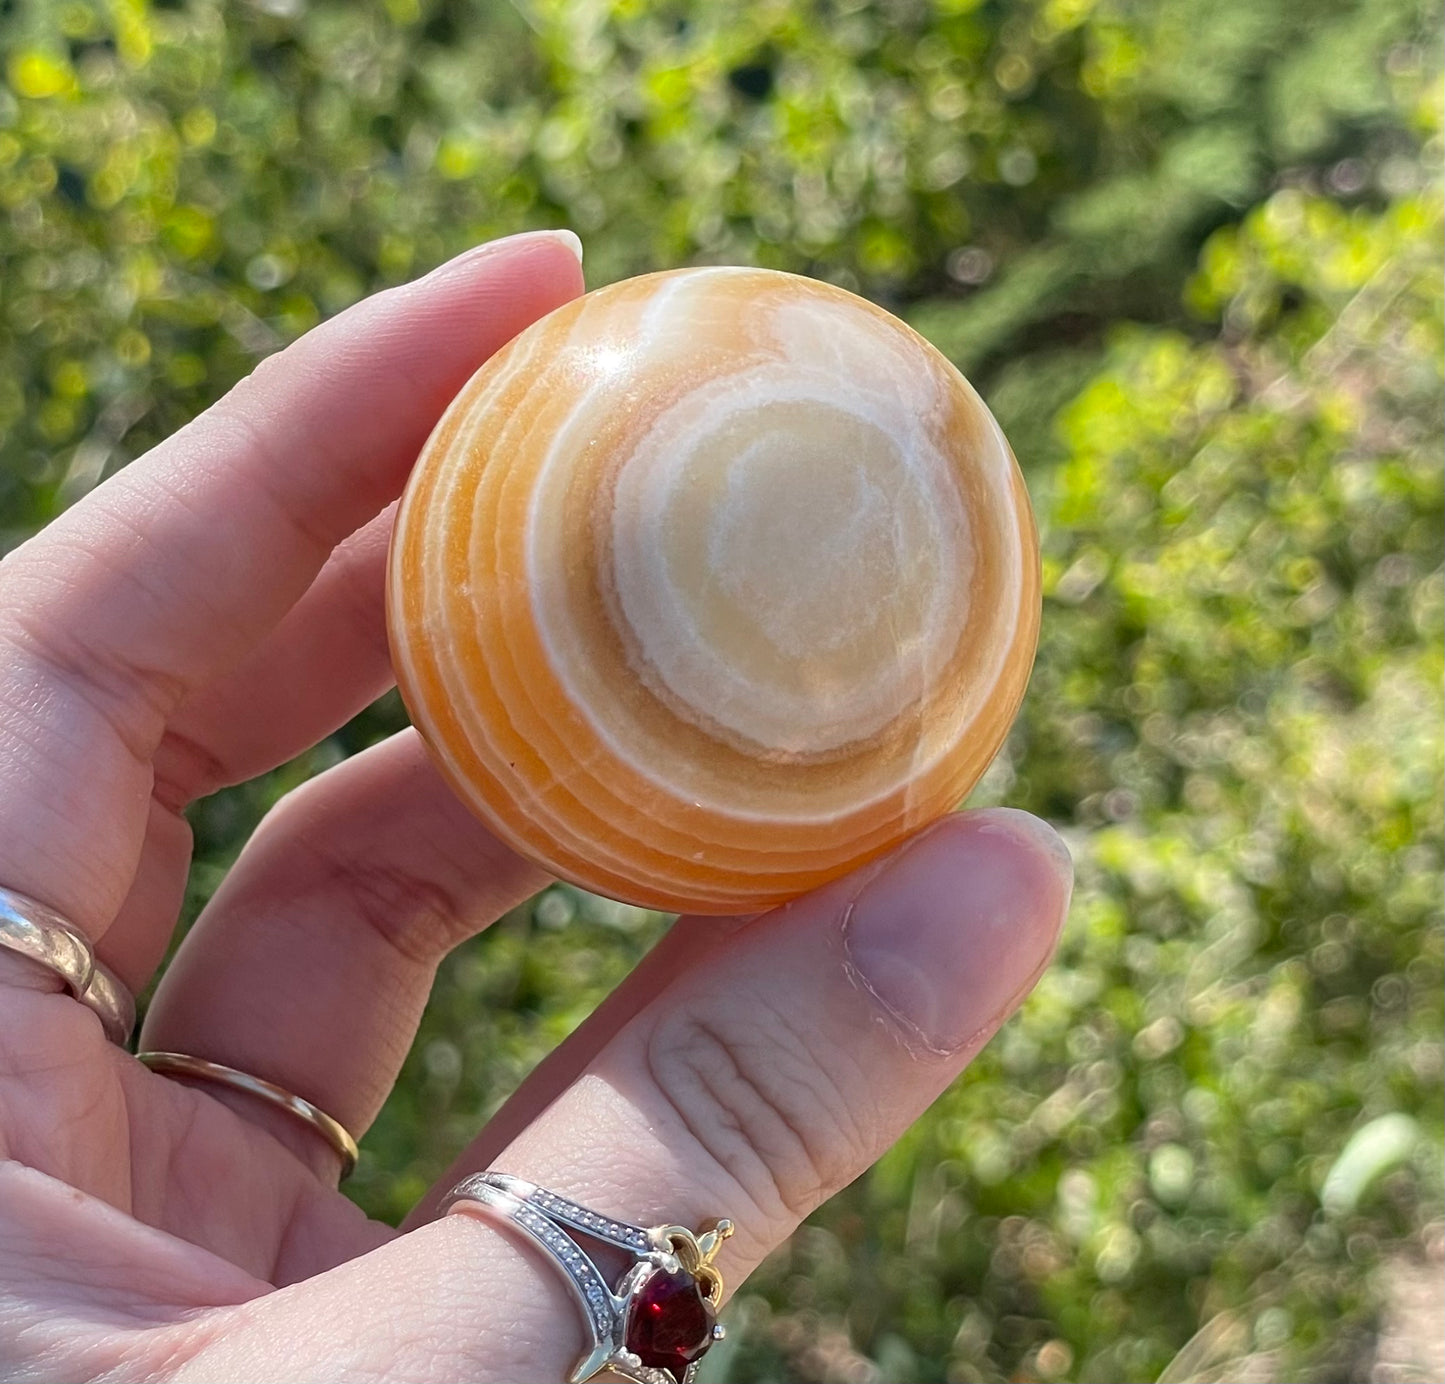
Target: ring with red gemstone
658, 1320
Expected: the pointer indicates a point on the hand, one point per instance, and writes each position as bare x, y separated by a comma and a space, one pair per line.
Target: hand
209, 613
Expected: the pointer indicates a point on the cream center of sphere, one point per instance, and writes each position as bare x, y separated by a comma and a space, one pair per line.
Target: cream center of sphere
755, 485
788, 572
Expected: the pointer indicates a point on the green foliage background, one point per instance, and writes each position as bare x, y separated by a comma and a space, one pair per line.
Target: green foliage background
1191, 255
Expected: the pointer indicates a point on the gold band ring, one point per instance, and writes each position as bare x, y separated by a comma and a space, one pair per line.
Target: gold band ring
199, 1069
42, 935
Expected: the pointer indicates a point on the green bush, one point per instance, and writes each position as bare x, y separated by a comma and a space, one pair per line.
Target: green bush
1191, 254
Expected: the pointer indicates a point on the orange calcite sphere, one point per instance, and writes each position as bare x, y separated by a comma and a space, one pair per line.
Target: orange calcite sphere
713, 585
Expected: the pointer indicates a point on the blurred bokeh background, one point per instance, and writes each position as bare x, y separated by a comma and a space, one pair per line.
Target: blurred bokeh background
1191, 255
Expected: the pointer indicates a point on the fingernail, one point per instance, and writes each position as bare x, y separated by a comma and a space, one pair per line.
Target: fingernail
560, 236
949, 937
570, 239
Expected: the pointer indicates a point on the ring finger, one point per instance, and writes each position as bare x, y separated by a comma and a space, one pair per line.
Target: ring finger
311, 965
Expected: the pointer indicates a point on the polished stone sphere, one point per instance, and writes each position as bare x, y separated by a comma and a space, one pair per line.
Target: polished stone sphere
713, 585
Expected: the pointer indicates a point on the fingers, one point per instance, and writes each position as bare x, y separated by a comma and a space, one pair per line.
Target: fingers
761, 1080
166, 575
324, 662
311, 965
768, 1078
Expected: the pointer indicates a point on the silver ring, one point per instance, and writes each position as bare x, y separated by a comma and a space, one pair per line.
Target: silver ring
28, 927
659, 1320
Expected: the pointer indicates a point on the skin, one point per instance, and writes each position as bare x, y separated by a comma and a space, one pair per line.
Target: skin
207, 614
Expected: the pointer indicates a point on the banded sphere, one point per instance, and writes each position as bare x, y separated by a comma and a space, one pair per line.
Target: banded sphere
713, 585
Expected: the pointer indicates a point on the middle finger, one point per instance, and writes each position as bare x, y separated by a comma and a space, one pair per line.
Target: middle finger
325, 661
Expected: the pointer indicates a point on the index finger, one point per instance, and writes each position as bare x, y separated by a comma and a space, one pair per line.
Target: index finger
173, 569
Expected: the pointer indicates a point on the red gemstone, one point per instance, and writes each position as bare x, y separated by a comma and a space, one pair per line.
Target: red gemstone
669, 1322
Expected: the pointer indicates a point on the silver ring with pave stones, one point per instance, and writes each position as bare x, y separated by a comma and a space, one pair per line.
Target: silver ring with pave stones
654, 1325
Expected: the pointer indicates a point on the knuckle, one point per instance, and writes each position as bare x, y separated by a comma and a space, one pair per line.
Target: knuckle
414, 916
412, 913
237, 428
129, 698
186, 769
765, 1105
252, 389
